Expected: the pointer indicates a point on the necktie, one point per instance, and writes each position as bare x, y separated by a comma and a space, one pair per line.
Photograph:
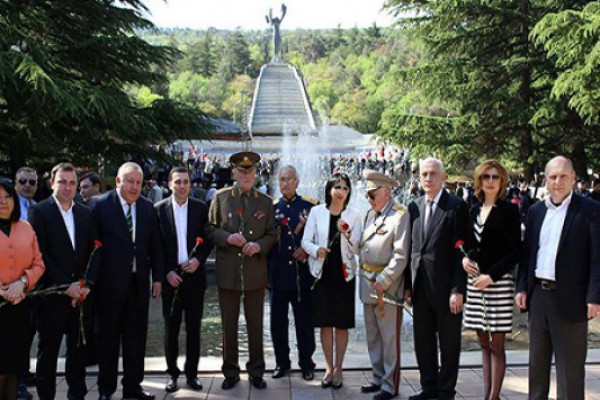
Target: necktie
428, 215
129, 218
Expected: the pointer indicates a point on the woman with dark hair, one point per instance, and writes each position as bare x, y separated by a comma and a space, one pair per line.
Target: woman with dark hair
330, 236
493, 246
21, 266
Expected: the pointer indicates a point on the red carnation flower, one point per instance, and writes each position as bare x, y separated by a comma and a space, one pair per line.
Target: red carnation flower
459, 244
199, 240
285, 221
97, 243
345, 226
240, 211
345, 270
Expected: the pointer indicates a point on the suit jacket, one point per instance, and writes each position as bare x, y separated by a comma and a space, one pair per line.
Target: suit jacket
257, 223
577, 259
316, 235
119, 250
63, 263
436, 256
500, 248
20, 255
196, 227
385, 243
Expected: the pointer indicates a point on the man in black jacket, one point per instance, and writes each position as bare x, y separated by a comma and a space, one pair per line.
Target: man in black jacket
66, 232
559, 282
132, 251
182, 221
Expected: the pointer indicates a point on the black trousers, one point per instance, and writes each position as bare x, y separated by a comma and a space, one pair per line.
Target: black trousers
122, 322
229, 301
189, 300
429, 324
305, 335
549, 333
57, 318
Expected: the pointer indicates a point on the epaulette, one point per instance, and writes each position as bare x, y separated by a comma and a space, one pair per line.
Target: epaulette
310, 200
276, 201
223, 190
398, 208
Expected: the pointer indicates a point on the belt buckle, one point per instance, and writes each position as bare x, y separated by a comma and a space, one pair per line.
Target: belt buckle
547, 285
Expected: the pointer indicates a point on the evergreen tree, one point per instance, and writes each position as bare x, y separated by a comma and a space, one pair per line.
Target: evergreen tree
64, 69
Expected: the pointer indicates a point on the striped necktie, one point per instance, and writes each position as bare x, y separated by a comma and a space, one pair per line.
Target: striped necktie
129, 218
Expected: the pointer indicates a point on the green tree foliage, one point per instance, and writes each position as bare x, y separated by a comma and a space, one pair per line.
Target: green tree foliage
66, 70
482, 89
572, 40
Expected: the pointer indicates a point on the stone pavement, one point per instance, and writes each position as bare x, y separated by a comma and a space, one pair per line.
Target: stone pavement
293, 387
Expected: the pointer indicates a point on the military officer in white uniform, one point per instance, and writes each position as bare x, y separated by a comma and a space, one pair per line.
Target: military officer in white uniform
384, 251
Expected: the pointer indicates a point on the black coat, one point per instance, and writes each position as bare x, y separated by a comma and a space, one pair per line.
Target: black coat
500, 248
577, 259
437, 256
63, 264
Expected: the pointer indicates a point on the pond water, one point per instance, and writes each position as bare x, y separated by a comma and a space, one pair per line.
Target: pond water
211, 331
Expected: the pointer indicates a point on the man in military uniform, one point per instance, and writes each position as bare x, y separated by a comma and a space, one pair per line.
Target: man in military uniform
242, 227
384, 251
290, 279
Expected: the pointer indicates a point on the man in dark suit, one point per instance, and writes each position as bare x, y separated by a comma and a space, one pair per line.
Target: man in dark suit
438, 281
290, 279
128, 228
242, 226
182, 221
65, 231
559, 282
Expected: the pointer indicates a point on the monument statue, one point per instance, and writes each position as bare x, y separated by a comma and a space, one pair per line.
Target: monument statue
275, 22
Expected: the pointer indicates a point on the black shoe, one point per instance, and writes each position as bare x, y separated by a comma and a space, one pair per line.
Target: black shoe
171, 385
370, 388
423, 396
194, 383
280, 372
23, 393
258, 382
383, 395
230, 382
308, 375
29, 379
103, 396
139, 395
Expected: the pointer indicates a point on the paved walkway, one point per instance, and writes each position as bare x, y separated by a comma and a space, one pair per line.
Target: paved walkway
293, 387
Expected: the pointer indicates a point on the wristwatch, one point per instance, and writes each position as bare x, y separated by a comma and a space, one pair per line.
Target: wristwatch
24, 281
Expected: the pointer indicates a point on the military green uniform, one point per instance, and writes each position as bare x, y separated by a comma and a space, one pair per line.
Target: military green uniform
384, 248
252, 214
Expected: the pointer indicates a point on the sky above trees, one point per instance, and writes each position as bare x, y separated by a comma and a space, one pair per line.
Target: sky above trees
230, 14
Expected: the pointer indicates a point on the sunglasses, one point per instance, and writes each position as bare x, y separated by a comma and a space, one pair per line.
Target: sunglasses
338, 187
371, 195
487, 177
32, 182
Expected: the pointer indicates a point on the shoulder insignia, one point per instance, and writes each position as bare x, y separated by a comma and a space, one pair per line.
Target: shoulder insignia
275, 202
310, 200
398, 208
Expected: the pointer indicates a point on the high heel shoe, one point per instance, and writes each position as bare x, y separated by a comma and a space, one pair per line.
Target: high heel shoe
326, 382
337, 381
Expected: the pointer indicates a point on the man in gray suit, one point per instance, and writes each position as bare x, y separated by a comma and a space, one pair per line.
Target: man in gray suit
438, 220
384, 248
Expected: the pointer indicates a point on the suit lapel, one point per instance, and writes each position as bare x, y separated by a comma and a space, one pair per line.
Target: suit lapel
439, 212
419, 226
252, 204
79, 228
537, 227
571, 211
171, 219
370, 229
191, 218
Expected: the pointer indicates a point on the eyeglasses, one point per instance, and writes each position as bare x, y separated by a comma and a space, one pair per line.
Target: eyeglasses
286, 180
23, 181
371, 195
344, 188
487, 177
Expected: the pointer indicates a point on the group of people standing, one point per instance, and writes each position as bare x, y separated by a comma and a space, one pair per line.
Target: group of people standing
436, 255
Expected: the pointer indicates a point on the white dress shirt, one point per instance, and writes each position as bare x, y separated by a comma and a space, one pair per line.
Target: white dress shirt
180, 215
67, 216
550, 237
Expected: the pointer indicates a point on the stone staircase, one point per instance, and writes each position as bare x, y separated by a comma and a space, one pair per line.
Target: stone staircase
280, 102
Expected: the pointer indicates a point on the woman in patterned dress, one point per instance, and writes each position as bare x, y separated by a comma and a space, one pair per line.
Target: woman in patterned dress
493, 245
